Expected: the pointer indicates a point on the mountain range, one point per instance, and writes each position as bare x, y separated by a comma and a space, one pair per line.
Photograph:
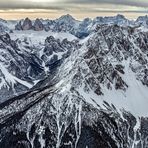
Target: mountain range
66, 83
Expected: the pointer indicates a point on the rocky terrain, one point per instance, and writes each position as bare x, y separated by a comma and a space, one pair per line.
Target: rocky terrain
81, 29
23, 64
79, 93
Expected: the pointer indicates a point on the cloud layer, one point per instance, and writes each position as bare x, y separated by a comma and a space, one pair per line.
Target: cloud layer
59, 4
137, 3
77, 7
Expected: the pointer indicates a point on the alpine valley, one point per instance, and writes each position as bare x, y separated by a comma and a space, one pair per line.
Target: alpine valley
66, 83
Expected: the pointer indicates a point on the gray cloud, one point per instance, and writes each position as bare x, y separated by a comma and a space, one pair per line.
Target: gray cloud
16, 4
64, 4
137, 3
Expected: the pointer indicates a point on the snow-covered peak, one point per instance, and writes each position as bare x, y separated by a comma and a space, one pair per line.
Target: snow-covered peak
119, 16
38, 25
118, 19
2, 20
66, 18
143, 21
142, 18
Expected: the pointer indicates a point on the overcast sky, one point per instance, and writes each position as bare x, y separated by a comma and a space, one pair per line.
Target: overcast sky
14, 9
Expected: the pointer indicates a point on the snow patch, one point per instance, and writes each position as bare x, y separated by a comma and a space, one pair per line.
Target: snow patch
11, 80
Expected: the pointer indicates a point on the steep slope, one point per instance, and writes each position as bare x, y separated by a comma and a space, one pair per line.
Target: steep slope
18, 67
24, 61
142, 20
66, 23
3, 26
92, 100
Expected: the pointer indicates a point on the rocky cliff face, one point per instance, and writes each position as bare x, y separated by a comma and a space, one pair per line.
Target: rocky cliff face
18, 67
38, 26
27, 24
96, 98
22, 63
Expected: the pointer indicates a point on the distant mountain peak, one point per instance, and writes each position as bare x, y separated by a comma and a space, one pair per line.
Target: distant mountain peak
38, 26
120, 16
67, 17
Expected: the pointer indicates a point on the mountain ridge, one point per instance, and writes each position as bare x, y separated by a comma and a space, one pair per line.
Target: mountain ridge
90, 93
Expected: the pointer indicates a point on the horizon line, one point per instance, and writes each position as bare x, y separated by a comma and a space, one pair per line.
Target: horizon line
54, 17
